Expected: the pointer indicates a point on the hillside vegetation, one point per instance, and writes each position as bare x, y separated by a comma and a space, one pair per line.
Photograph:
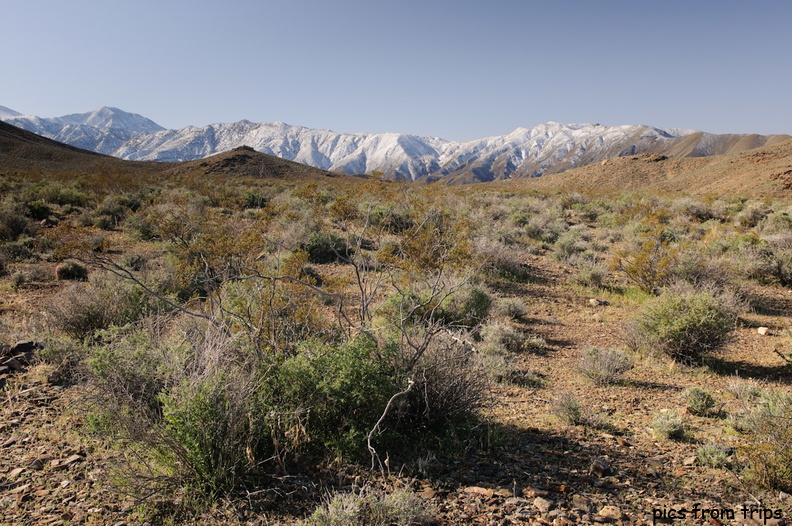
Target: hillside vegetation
233, 341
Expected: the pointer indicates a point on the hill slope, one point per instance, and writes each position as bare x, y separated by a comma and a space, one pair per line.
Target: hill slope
765, 171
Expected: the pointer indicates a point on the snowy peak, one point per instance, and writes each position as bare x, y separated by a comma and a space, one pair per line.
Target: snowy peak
106, 118
7, 113
524, 152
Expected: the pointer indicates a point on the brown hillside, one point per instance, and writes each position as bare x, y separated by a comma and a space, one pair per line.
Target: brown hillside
765, 171
247, 162
21, 150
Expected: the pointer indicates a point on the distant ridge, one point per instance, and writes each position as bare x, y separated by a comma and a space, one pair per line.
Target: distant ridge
23, 151
525, 152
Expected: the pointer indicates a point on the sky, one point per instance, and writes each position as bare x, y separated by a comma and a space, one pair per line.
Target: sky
456, 69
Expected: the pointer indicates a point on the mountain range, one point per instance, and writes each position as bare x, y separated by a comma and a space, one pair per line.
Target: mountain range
525, 152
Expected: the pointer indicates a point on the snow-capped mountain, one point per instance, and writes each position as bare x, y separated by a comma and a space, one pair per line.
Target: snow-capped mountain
524, 152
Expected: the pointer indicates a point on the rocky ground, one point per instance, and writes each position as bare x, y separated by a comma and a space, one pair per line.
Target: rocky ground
536, 470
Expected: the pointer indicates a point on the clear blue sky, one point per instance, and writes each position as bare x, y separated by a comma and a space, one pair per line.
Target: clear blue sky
457, 69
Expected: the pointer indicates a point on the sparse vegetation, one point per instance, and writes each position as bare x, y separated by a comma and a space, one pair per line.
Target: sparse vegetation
668, 425
604, 366
699, 402
249, 341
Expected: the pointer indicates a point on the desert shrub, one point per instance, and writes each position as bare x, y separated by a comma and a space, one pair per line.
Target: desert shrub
391, 219
510, 308
768, 445
38, 210
668, 426
604, 366
401, 507
450, 390
71, 271
21, 249
778, 222
498, 259
591, 273
572, 242
698, 401
570, 411
13, 221
134, 262
327, 247
713, 455
468, 307
685, 326
743, 390
83, 308
751, 215
647, 262
500, 337
208, 420
546, 226
338, 392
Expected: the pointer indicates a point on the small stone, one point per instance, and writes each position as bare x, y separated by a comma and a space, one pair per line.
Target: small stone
581, 503
543, 505
598, 303
476, 490
784, 496
37, 464
20, 489
599, 467
763, 330
428, 493
611, 513
14, 472
689, 461
503, 492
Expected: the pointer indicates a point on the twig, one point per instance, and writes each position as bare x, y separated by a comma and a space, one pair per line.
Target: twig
374, 455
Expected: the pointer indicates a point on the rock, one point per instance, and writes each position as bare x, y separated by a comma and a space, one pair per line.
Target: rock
37, 464
13, 364
542, 504
427, 493
476, 490
26, 346
14, 472
784, 496
581, 503
609, 513
503, 492
598, 303
763, 330
599, 467
20, 489
689, 461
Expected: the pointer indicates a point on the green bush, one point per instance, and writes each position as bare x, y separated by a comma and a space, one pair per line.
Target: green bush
327, 247
71, 271
341, 391
713, 455
685, 325
698, 401
13, 221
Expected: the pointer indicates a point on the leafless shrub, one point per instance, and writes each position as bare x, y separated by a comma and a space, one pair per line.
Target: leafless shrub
604, 366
